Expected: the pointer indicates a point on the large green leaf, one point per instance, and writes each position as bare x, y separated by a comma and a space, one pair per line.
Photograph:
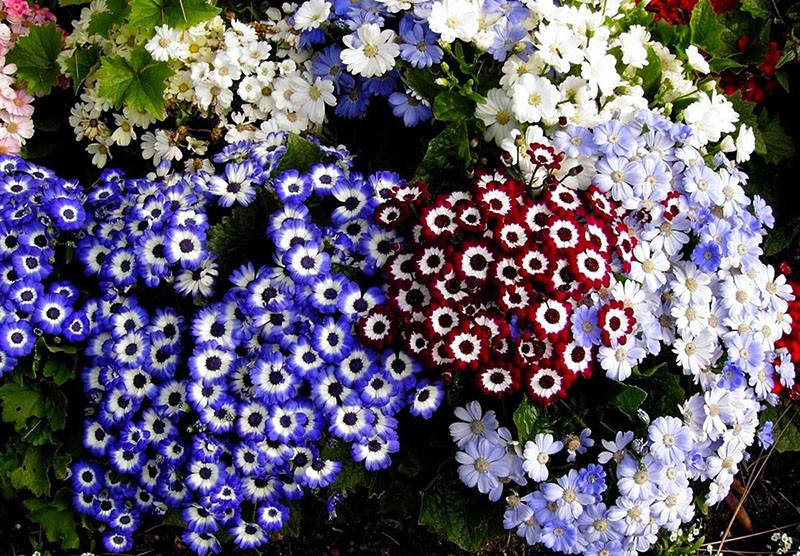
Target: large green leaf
777, 143
449, 106
80, 65
179, 14
35, 57
626, 397
138, 82
651, 74
708, 31
300, 154
102, 23
757, 8
449, 151
32, 472
462, 515
56, 518
20, 403
530, 421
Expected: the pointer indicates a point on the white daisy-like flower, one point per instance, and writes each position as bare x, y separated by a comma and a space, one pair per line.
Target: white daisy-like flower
371, 51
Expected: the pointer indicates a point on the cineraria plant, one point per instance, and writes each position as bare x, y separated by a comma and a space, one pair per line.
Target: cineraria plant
19, 21
230, 404
695, 283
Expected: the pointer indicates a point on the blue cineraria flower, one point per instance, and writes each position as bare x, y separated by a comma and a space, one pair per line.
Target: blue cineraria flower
374, 451
353, 102
115, 541
16, 338
248, 535
765, 438
408, 106
614, 138
419, 46
185, 246
292, 187
328, 65
707, 256
575, 141
508, 38
352, 422
426, 399
332, 339
23, 295
559, 535
67, 214
202, 543
273, 516
321, 472
483, 463
305, 262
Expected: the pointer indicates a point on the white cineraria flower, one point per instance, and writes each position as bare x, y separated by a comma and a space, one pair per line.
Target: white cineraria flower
311, 98
166, 44
535, 99
370, 51
695, 60
311, 14
633, 43
454, 19
710, 117
745, 143
600, 68
125, 131
558, 46
497, 114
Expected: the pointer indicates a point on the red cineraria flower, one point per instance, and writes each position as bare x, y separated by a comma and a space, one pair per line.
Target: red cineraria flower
616, 322
376, 330
498, 380
467, 346
545, 384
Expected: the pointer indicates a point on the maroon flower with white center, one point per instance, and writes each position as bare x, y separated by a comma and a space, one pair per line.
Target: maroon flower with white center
564, 234
592, 269
412, 193
616, 321
391, 213
498, 380
376, 329
536, 264
439, 355
474, 261
624, 246
412, 298
470, 217
484, 179
563, 198
442, 320
600, 204
545, 156
439, 221
533, 349
496, 202
417, 343
468, 346
512, 236
578, 359
400, 267
507, 271
596, 235
537, 217
450, 288
515, 299
552, 318
492, 325
544, 384
431, 261
563, 280
457, 197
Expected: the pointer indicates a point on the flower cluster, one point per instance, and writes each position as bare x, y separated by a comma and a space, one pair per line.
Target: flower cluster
495, 281
16, 108
227, 411
41, 215
758, 82
679, 12
789, 343
695, 283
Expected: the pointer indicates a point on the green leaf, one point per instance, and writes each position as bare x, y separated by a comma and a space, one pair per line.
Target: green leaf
708, 31
721, 64
179, 14
786, 432
103, 23
778, 144
529, 421
668, 392
651, 74
783, 78
447, 152
757, 8
626, 397
449, 106
781, 238
80, 65
423, 82
60, 367
138, 82
678, 36
650, 371
56, 518
458, 513
35, 56
64, 3
20, 403
32, 472
300, 154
